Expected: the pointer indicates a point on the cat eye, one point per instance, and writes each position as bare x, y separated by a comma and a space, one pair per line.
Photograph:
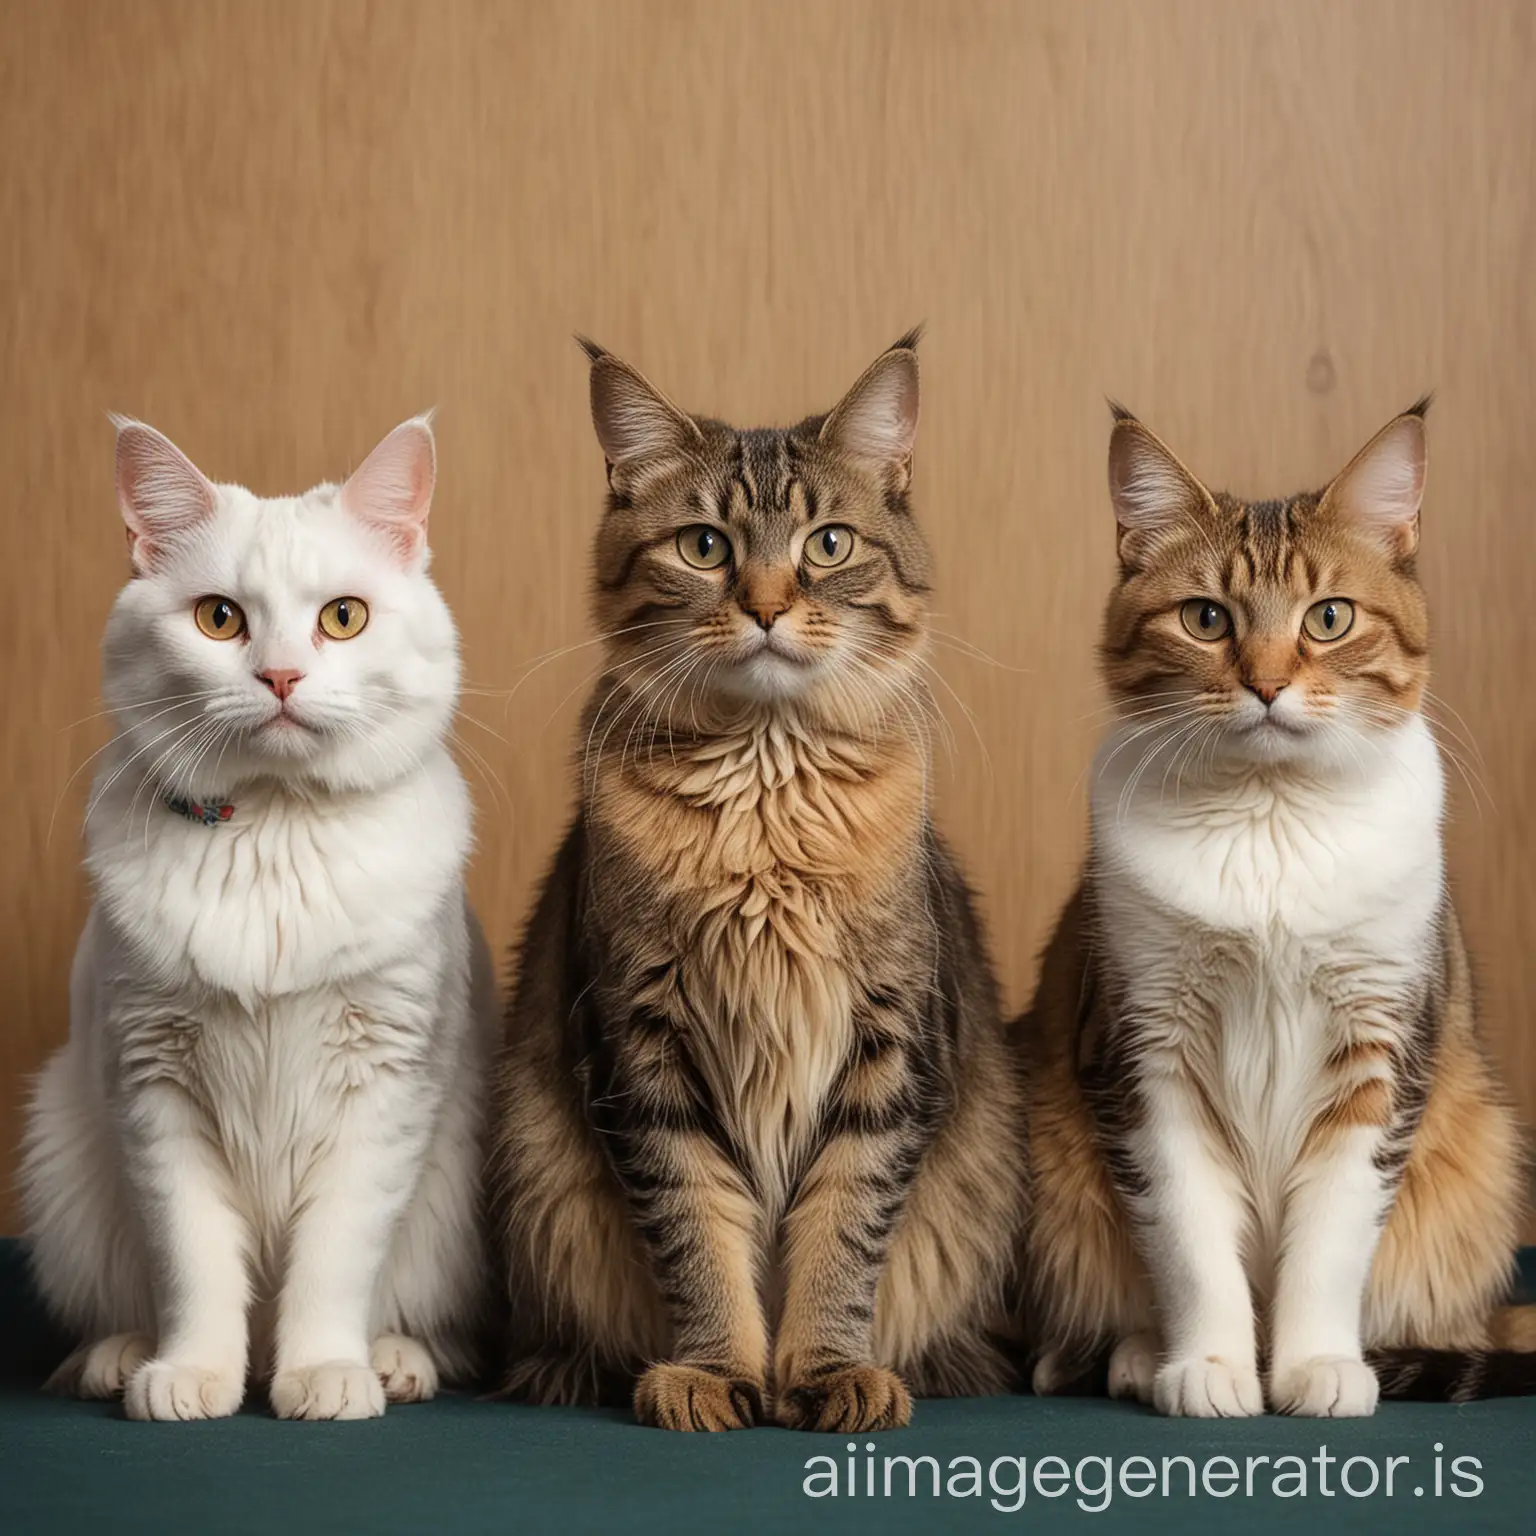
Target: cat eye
703, 547
344, 618
219, 618
829, 546
1206, 620
1330, 619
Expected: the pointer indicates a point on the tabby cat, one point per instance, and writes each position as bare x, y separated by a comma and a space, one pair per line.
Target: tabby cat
758, 1144
1261, 1129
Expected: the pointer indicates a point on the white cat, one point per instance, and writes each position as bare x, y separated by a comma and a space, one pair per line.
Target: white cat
258, 1153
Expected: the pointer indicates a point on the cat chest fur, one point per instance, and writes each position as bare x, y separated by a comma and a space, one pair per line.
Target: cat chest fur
1261, 938
770, 850
259, 967
279, 898
274, 1086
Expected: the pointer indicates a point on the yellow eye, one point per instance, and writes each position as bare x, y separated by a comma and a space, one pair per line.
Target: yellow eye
219, 618
703, 547
1330, 619
829, 546
344, 618
1206, 620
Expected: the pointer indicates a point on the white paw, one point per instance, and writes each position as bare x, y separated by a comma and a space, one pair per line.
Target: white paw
1207, 1387
161, 1389
335, 1390
1133, 1367
406, 1370
1325, 1387
102, 1369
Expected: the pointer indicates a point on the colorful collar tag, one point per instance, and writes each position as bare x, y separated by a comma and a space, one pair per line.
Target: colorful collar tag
208, 815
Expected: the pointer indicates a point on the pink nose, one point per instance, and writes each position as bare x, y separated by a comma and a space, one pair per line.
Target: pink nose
282, 681
1268, 691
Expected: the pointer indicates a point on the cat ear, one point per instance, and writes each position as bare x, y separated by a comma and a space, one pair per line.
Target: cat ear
877, 419
1382, 487
633, 419
160, 491
391, 490
1151, 490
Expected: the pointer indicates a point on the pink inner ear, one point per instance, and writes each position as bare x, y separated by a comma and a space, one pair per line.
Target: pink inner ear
877, 418
160, 491
1147, 487
1385, 485
392, 489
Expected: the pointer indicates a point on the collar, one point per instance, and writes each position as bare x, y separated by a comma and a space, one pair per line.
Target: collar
210, 815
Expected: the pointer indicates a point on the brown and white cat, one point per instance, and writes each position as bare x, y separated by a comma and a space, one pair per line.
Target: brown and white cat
758, 1132
1261, 1129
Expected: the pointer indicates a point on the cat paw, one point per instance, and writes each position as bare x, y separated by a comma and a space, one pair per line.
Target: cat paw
847, 1399
162, 1389
1325, 1387
1207, 1387
690, 1397
335, 1390
1133, 1367
101, 1369
1046, 1376
404, 1367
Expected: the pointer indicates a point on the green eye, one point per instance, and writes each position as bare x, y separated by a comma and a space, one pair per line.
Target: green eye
1330, 619
1206, 620
829, 546
703, 547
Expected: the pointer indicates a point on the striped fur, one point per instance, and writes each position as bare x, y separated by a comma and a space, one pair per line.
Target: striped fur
1265, 1146
758, 1151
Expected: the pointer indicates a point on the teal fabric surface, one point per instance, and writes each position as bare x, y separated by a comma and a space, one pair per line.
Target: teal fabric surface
458, 1465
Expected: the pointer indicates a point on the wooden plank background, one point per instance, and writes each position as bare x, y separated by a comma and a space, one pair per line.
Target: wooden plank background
275, 230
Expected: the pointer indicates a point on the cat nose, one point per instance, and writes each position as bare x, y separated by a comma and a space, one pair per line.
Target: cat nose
765, 610
764, 594
282, 680
1268, 691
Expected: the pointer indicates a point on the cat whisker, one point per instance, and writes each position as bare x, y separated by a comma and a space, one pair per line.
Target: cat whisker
1116, 709
80, 768
903, 690
1436, 701
1195, 736
123, 767
1168, 743
697, 661
634, 699
974, 652
190, 755
459, 714
1384, 713
1160, 724
178, 750
623, 667
487, 772
468, 719
650, 693
170, 699
540, 662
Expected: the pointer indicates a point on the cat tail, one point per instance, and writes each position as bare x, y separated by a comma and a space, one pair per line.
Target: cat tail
1465, 1375
1069, 1370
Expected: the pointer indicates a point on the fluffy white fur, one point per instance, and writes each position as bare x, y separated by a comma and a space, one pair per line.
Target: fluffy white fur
258, 1153
1260, 915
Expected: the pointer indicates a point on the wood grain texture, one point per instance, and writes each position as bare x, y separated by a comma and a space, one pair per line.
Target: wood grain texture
275, 230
